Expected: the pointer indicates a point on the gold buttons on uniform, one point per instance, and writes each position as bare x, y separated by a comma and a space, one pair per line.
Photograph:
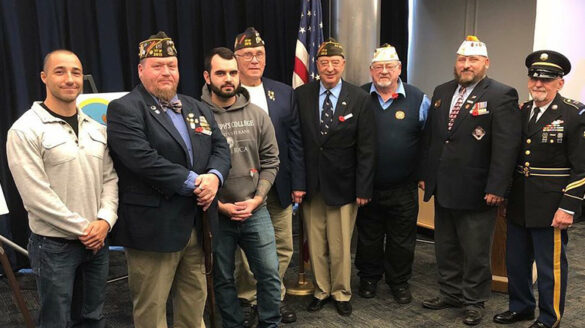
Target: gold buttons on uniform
528, 141
527, 152
527, 164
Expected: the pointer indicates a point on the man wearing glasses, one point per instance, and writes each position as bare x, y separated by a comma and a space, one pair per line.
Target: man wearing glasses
547, 193
401, 111
339, 142
277, 100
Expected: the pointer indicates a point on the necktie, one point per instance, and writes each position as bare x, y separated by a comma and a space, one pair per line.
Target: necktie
534, 118
456, 108
174, 105
326, 114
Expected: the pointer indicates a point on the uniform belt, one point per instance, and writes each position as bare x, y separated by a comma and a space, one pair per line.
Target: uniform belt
544, 171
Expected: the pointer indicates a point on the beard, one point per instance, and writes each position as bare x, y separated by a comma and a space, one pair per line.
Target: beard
222, 94
384, 84
464, 81
165, 94
538, 96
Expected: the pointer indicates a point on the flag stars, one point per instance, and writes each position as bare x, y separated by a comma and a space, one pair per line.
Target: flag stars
302, 30
309, 13
321, 24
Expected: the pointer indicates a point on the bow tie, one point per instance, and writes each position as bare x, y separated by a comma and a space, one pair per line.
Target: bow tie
174, 105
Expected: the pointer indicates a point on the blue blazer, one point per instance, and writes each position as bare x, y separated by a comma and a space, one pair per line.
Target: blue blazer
152, 162
284, 115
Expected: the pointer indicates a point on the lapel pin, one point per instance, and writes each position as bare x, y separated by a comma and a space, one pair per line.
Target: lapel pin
343, 103
437, 103
473, 97
270, 94
467, 106
157, 111
554, 107
399, 115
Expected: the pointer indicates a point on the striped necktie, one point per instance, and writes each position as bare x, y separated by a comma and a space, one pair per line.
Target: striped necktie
456, 108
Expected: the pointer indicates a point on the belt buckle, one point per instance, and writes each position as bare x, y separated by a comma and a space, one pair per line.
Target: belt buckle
526, 171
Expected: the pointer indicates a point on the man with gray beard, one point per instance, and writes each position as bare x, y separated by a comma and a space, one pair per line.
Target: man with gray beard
470, 146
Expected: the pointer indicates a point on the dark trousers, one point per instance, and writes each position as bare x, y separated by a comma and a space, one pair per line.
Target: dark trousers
463, 242
55, 264
547, 247
390, 216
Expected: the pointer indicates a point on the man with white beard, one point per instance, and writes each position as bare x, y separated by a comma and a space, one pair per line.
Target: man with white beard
547, 193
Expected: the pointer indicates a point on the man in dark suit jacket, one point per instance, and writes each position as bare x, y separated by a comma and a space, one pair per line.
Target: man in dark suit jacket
546, 195
277, 99
339, 142
171, 158
470, 146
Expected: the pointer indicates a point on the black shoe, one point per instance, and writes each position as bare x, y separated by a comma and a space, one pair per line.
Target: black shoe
402, 295
343, 308
473, 316
511, 317
538, 324
288, 315
317, 304
367, 288
438, 303
249, 312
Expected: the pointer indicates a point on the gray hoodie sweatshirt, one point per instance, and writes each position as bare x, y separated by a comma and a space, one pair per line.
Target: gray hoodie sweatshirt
254, 151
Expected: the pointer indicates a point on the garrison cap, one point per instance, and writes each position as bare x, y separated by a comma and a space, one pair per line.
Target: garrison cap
158, 45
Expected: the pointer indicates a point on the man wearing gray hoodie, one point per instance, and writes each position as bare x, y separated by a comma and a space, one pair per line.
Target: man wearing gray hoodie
244, 220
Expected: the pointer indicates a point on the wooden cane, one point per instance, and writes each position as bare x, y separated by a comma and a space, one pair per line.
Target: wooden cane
208, 251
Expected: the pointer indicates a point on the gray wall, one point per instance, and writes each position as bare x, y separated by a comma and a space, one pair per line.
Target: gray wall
439, 27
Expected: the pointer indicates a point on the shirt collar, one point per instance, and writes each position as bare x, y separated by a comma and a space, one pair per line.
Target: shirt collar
46, 117
400, 89
335, 91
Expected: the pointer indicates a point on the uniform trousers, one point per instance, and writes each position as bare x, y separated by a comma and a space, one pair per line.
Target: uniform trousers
152, 275
329, 230
463, 242
282, 222
387, 235
547, 247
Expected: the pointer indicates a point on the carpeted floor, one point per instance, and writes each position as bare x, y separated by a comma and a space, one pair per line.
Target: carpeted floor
380, 311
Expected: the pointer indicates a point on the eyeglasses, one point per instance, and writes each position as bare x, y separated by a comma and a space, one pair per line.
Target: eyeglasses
380, 67
248, 56
334, 63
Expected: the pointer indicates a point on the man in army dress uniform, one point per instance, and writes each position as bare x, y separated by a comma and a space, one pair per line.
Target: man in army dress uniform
547, 193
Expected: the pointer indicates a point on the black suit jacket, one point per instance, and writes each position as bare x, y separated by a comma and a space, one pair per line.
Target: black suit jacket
340, 165
478, 155
535, 196
284, 115
152, 163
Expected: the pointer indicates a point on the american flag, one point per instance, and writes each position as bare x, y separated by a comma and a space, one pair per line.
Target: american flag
308, 42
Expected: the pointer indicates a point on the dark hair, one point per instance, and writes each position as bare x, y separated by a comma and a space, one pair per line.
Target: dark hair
48, 56
222, 52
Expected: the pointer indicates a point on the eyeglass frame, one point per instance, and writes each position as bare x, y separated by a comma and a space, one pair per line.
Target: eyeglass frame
258, 56
389, 67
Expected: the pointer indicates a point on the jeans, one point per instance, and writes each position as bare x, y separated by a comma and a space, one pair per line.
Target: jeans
55, 263
255, 236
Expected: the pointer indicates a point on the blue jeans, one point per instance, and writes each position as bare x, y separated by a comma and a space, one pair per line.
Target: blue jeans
54, 264
255, 236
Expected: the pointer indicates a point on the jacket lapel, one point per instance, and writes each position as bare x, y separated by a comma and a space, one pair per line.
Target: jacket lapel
156, 111
468, 103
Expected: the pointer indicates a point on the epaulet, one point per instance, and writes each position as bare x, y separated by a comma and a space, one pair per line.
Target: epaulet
574, 103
